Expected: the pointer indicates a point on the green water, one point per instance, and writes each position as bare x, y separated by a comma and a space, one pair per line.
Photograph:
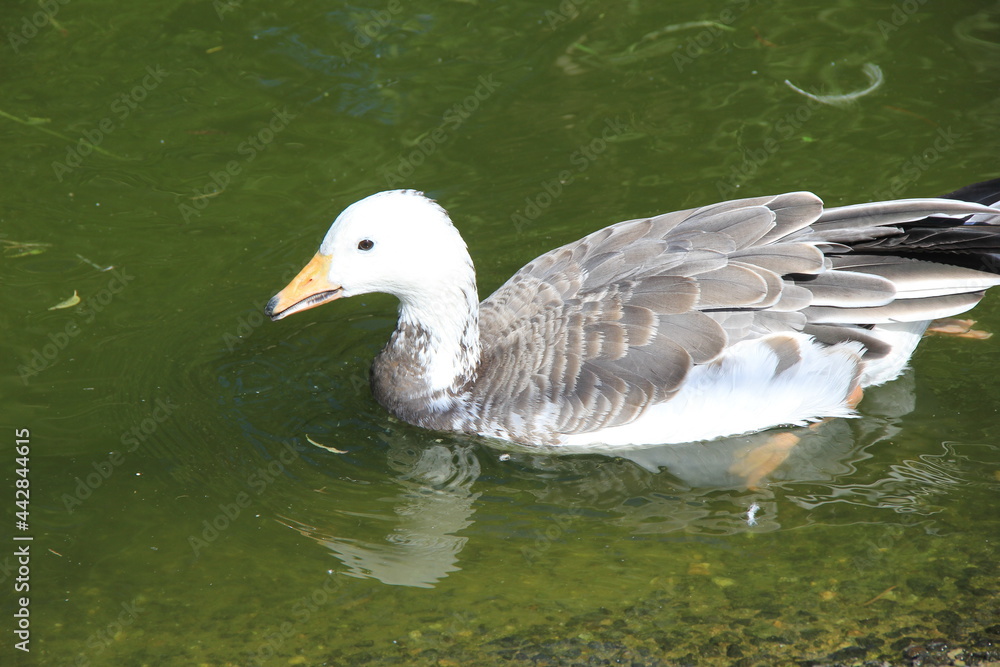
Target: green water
180, 513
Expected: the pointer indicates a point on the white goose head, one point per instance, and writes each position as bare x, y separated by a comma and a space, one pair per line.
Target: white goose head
398, 242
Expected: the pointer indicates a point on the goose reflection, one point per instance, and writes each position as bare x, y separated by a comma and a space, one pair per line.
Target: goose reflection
692, 490
434, 504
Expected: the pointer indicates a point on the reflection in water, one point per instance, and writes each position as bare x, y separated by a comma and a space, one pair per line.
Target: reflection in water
435, 503
699, 490
975, 34
910, 487
702, 488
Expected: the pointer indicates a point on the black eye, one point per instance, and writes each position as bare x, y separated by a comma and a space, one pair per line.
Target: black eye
366, 244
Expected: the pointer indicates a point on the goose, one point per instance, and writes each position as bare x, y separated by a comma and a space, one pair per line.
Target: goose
688, 326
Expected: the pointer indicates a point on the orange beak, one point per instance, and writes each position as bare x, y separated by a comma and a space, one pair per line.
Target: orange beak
307, 290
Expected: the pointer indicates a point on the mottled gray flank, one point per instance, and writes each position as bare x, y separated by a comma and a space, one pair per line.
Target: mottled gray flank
589, 335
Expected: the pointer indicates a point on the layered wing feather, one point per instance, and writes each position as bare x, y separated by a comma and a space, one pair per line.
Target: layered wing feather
591, 334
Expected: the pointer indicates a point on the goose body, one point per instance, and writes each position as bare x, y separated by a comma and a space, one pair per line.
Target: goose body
692, 325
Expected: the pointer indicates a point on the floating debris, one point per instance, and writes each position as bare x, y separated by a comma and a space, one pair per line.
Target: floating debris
760, 38
580, 47
68, 303
875, 79
752, 514
18, 249
55, 24
911, 113
206, 195
93, 264
327, 448
659, 43
37, 124
677, 27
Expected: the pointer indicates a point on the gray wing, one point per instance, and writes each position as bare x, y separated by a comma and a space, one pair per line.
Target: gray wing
588, 335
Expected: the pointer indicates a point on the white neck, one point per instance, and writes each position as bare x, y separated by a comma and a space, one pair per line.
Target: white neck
450, 319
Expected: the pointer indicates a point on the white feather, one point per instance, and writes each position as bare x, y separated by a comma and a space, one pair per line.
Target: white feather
744, 381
